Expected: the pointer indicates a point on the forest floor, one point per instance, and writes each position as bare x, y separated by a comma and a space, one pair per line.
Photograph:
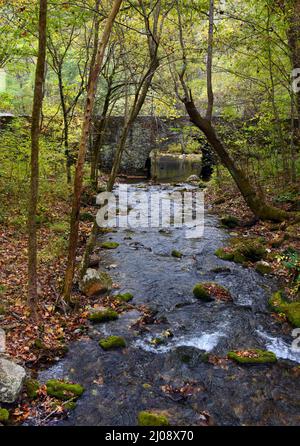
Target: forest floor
37, 345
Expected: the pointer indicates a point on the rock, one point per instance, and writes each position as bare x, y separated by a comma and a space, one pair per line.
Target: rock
229, 221
32, 386
63, 390
4, 415
126, 297
223, 254
291, 310
95, 282
253, 356
176, 254
112, 342
109, 245
200, 292
248, 249
11, 380
103, 316
146, 418
211, 291
193, 179
263, 267
94, 261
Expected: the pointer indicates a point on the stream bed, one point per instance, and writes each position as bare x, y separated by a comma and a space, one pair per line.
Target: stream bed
176, 376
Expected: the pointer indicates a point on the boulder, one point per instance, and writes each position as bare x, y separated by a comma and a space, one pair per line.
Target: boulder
95, 282
193, 179
12, 377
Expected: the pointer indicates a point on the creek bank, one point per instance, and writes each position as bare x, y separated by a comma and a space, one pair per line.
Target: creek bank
187, 375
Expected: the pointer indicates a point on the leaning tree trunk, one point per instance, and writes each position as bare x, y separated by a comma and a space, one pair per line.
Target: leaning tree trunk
78, 181
255, 202
34, 179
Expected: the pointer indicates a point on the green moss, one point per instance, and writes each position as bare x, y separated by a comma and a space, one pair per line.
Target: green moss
201, 293
229, 221
251, 249
103, 316
60, 227
176, 254
263, 268
4, 415
126, 297
63, 390
152, 419
224, 255
253, 356
291, 310
109, 245
112, 342
71, 405
32, 386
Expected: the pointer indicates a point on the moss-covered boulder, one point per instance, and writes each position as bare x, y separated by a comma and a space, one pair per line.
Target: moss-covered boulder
251, 250
224, 254
176, 254
229, 221
109, 245
263, 267
146, 418
63, 390
253, 356
200, 292
126, 297
32, 386
112, 343
95, 282
210, 291
103, 316
4, 415
291, 310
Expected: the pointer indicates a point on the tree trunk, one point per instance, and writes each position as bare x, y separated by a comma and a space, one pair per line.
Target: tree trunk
260, 209
34, 178
98, 142
78, 180
294, 44
210, 93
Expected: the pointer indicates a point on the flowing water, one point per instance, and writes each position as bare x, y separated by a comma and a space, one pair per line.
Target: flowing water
143, 376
